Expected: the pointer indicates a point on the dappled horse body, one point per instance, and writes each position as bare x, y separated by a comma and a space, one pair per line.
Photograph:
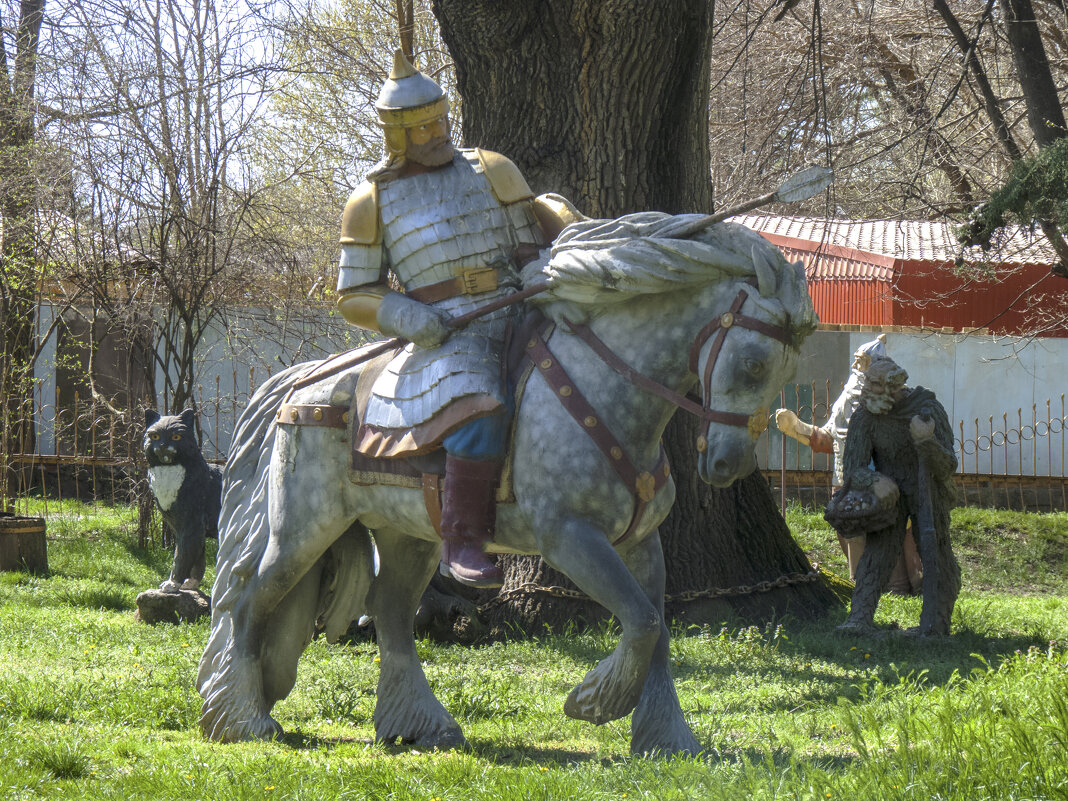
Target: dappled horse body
640, 318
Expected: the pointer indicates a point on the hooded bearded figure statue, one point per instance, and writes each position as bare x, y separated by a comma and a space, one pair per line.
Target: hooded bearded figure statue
906, 433
830, 438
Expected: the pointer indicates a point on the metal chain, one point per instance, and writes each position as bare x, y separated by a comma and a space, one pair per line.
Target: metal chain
530, 588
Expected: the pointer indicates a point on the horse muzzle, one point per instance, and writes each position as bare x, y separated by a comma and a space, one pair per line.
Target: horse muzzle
724, 457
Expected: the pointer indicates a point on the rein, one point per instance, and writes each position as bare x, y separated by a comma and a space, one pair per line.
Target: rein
756, 423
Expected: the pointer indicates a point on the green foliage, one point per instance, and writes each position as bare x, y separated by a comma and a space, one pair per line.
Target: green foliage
94, 705
1037, 188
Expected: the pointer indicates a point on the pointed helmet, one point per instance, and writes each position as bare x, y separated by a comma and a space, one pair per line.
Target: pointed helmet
409, 98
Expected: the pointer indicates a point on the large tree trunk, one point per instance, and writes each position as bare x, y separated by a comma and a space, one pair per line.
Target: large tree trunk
18, 251
607, 104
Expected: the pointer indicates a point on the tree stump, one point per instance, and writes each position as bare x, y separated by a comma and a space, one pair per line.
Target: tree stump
22, 544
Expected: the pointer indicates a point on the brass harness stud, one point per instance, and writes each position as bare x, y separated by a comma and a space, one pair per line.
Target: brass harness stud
317, 413
726, 320
758, 422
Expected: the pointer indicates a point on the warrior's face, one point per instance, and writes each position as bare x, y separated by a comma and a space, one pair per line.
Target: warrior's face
883, 386
429, 144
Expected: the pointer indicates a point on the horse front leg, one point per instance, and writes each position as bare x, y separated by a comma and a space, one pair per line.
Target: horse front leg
612, 689
406, 707
658, 725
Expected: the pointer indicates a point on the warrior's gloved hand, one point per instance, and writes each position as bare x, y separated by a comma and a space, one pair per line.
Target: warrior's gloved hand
400, 316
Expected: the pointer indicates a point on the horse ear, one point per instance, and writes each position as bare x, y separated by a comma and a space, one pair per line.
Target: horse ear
765, 272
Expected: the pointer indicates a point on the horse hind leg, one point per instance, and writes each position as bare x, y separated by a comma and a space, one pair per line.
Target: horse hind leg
406, 708
658, 726
260, 625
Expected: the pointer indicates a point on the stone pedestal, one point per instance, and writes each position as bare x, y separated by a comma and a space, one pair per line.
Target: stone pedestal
185, 606
22, 544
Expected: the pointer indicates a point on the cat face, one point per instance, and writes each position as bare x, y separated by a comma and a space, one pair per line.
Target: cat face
170, 439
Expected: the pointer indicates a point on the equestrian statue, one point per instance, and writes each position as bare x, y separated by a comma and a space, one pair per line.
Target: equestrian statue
480, 430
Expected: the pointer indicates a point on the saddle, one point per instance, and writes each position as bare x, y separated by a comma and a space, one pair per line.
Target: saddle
424, 471
525, 351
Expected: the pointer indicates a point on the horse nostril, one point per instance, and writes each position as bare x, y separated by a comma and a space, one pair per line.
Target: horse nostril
721, 466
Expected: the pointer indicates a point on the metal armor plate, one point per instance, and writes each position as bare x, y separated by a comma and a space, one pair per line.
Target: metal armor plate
435, 226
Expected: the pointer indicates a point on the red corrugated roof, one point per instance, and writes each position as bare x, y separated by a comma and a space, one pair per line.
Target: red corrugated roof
913, 240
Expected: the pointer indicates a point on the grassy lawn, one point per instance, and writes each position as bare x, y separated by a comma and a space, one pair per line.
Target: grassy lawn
96, 705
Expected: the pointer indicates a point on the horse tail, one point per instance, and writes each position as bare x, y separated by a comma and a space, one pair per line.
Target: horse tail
244, 527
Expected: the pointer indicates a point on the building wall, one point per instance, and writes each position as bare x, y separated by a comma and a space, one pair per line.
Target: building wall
1011, 301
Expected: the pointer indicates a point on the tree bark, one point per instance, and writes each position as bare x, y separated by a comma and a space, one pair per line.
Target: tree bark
18, 268
1044, 112
607, 104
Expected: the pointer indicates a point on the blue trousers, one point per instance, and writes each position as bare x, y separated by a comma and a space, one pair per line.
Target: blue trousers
483, 439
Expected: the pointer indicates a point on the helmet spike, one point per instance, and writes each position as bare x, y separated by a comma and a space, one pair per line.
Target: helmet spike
402, 67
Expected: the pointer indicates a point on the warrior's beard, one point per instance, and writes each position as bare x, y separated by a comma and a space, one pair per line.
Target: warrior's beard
880, 403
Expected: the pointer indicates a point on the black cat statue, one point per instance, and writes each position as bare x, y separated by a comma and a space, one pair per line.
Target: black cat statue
187, 490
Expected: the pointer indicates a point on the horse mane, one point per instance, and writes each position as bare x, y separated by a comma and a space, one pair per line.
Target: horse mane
597, 263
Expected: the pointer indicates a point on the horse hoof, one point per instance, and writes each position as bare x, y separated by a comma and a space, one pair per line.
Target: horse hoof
682, 743
595, 702
443, 741
446, 739
260, 727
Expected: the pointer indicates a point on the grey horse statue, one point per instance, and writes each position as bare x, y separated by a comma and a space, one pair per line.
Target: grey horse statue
641, 318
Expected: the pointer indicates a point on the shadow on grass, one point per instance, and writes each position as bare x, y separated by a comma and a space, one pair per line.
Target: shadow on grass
483, 749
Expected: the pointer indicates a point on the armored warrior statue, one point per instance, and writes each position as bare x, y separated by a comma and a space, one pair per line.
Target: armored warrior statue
906, 434
453, 226
830, 438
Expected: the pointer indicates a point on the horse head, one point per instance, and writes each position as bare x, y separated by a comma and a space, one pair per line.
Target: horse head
743, 357
760, 309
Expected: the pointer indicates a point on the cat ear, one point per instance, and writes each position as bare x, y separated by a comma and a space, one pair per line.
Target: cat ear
151, 416
188, 417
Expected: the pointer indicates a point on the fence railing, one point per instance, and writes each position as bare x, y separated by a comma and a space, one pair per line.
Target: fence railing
89, 450
1015, 459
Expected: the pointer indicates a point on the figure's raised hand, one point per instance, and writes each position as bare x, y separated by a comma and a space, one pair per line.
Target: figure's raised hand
921, 429
786, 421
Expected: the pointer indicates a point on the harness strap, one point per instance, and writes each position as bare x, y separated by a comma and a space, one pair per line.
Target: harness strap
642, 486
722, 324
608, 356
313, 414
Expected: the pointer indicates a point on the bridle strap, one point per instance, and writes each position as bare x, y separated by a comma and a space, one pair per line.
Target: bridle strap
609, 357
723, 324
718, 328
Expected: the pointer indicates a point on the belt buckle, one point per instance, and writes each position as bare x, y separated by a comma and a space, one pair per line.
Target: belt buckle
478, 281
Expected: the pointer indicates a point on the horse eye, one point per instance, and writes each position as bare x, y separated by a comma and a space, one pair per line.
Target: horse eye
754, 367
176, 437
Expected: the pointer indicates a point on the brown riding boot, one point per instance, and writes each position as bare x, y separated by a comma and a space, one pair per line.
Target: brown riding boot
468, 510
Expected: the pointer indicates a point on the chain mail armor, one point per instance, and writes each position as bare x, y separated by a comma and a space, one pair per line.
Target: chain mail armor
434, 227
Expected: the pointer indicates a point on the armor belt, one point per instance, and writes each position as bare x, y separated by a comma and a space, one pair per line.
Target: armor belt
471, 282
